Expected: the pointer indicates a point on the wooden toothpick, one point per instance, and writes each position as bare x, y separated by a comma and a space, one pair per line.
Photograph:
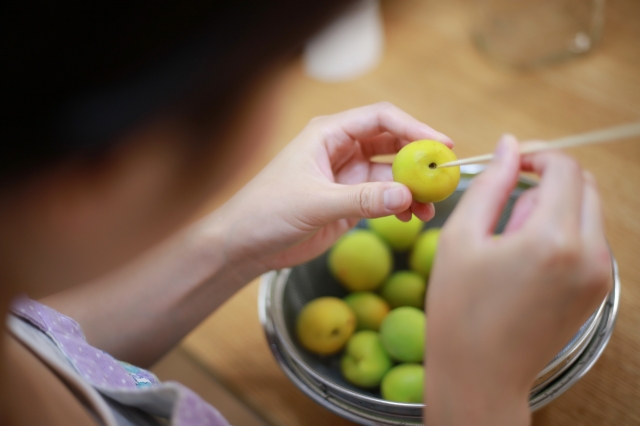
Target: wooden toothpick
599, 136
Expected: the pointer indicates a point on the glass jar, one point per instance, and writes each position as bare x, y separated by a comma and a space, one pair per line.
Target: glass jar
530, 33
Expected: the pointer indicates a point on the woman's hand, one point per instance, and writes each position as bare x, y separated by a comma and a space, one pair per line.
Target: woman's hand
499, 309
309, 195
319, 186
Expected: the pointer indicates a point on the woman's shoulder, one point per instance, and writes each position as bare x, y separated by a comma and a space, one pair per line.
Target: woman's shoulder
59, 341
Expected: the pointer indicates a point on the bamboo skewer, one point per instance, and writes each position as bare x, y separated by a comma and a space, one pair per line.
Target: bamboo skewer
598, 136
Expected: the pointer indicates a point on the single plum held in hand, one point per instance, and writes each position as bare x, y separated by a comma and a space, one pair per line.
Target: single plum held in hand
416, 166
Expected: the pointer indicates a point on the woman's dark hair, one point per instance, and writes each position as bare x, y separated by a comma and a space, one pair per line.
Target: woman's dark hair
77, 77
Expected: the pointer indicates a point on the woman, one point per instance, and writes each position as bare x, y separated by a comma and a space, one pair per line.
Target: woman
123, 121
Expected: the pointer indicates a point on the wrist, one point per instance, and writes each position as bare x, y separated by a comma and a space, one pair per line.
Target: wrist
451, 403
463, 390
216, 239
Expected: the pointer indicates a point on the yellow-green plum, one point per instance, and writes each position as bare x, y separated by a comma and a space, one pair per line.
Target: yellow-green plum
416, 166
398, 234
404, 288
404, 383
403, 334
365, 362
325, 324
360, 260
370, 309
424, 251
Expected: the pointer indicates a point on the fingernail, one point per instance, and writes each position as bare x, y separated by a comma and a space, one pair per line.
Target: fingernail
393, 197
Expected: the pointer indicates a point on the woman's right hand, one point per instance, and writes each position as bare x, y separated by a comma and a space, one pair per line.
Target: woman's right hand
499, 309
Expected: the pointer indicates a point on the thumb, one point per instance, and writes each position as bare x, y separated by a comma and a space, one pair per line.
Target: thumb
368, 200
481, 205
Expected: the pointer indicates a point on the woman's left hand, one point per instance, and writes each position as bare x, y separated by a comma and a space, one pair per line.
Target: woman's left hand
319, 186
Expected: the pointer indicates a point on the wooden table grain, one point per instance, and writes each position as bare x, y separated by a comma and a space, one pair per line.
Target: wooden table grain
432, 71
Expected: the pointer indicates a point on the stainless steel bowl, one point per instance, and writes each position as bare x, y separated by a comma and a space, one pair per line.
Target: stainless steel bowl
283, 294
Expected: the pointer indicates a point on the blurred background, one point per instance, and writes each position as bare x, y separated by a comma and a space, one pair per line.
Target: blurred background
472, 69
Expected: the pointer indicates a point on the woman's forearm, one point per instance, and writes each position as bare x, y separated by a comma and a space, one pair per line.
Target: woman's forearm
276, 221
140, 312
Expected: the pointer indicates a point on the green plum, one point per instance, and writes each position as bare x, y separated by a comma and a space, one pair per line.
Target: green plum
360, 260
404, 383
365, 362
424, 251
370, 309
404, 288
398, 234
325, 324
403, 334
416, 166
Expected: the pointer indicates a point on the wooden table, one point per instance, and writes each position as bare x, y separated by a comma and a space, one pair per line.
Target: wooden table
431, 70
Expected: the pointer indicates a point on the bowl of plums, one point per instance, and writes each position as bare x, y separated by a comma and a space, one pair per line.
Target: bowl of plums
348, 328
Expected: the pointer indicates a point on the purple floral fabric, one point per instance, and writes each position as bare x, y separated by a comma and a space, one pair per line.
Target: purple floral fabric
110, 376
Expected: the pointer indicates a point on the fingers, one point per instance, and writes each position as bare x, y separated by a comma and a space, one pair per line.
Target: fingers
593, 237
343, 129
424, 212
404, 216
384, 143
359, 170
523, 208
592, 224
380, 173
366, 200
560, 188
371, 120
481, 205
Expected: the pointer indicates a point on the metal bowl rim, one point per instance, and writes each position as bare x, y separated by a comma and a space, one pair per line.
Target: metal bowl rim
543, 397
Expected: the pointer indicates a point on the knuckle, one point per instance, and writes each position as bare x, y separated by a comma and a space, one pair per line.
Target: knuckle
572, 166
559, 251
385, 106
599, 279
569, 164
386, 109
482, 183
326, 133
364, 202
316, 121
320, 128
